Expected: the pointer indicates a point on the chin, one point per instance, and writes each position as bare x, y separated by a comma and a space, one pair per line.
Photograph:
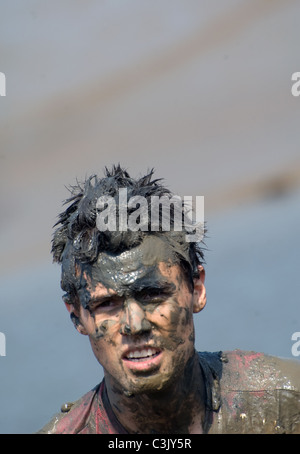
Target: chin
154, 384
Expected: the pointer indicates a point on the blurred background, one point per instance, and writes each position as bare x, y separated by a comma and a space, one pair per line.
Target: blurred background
199, 90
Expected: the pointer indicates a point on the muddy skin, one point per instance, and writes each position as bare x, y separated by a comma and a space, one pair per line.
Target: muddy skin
129, 278
141, 297
258, 394
146, 413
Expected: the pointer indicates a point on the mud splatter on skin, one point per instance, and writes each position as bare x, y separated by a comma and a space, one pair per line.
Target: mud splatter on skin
144, 290
184, 398
132, 275
122, 288
131, 272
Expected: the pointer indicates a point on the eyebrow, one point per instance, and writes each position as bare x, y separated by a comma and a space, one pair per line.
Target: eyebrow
101, 299
148, 283
142, 285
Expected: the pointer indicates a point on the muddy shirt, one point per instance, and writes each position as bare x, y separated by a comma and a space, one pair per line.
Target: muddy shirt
246, 392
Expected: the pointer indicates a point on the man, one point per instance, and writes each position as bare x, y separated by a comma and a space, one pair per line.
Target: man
134, 292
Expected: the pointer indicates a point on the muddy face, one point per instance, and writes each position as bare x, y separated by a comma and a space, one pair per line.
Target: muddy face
137, 310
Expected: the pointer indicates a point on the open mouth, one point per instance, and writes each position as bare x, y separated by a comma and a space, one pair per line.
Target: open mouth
142, 355
143, 359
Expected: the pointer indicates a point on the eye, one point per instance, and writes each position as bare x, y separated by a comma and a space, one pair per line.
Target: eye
155, 295
107, 303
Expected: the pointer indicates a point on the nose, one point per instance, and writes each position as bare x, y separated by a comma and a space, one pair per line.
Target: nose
133, 319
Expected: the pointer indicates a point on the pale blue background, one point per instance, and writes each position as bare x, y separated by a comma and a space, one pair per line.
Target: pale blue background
201, 91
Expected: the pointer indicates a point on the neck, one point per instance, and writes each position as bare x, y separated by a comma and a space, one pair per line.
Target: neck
178, 409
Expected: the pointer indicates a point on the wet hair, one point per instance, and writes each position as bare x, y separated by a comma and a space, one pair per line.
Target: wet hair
77, 238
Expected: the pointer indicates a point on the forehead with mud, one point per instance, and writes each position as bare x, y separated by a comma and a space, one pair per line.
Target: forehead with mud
129, 272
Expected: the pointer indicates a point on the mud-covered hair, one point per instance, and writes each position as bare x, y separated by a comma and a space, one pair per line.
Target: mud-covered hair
78, 240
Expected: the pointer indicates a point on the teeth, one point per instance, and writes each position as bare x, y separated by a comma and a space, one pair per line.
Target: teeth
142, 353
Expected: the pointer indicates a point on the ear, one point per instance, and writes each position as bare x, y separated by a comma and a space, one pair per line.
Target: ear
75, 317
199, 295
